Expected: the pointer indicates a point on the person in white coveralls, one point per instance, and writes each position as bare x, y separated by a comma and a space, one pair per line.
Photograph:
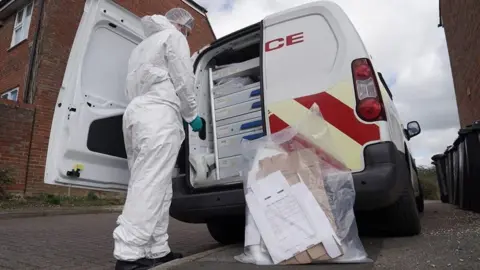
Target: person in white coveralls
160, 89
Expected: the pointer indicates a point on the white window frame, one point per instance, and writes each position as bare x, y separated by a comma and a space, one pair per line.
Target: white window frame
8, 95
22, 22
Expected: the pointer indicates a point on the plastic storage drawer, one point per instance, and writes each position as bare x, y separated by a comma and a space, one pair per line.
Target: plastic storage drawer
239, 109
246, 68
232, 146
239, 118
224, 90
236, 98
245, 126
230, 167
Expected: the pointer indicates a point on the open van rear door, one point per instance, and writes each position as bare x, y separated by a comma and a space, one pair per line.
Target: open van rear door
86, 147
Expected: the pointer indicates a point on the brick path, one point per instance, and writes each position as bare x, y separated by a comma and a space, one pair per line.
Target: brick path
79, 241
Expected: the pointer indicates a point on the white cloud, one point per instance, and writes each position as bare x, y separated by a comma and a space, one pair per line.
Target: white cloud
406, 45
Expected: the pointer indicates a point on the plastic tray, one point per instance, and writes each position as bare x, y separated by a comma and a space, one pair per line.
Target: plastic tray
236, 98
255, 124
249, 67
238, 109
232, 146
224, 90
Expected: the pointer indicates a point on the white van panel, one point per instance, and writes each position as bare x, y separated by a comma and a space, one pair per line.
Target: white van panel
91, 101
104, 67
308, 53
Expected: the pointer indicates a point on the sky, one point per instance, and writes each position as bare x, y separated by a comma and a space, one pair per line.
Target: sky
407, 46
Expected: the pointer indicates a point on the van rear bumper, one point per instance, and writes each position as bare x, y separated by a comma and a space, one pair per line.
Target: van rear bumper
384, 178
378, 186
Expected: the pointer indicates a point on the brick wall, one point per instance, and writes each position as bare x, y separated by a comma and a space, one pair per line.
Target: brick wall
461, 21
14, 60
15, 133
58, 32
202, 33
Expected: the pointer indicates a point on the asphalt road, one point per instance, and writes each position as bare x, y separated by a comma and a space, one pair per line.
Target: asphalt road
79, 241
450, 240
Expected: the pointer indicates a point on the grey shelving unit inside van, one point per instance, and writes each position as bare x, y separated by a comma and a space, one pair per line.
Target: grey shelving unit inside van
236, 115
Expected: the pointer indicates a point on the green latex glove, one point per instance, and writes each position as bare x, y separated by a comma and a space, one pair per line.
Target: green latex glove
196, 124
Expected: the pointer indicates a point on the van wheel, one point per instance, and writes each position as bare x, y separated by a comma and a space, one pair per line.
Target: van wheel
228, 230
397, 220
403, 217
420, 200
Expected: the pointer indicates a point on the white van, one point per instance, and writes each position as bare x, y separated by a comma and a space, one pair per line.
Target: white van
252, 82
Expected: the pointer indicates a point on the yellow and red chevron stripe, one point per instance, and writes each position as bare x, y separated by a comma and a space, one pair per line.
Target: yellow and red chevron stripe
346, 133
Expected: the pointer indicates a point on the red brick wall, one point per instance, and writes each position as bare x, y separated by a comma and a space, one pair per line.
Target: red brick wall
202, 33
461, 21
59, 28
14, 61
15, 133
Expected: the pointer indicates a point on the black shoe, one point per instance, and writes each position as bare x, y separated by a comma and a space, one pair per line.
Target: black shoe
169, 257
141, 264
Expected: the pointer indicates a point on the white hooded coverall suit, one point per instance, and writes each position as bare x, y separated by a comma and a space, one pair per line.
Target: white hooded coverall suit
161, 91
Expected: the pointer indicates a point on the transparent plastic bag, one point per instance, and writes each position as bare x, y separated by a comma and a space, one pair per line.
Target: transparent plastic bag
330, 182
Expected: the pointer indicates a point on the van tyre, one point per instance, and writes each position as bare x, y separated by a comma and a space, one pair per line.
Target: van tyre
228, 230
397, 220
403, 216
420, 200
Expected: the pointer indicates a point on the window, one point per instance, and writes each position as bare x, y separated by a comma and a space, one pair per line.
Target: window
10, 95
22, 24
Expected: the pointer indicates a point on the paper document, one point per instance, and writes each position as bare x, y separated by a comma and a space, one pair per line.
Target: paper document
282, 222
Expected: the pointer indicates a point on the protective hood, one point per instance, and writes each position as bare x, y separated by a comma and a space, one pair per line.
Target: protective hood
154, 24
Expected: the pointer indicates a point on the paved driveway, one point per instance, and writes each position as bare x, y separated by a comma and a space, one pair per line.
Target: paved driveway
79, 242
450, 239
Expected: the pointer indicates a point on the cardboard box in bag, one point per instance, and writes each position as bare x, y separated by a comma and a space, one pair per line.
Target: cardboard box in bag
303, 166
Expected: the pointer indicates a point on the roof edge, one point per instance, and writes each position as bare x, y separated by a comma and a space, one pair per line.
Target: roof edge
10, 7
197, 5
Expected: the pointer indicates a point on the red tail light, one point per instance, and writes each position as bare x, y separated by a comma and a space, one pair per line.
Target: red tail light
367, 93
370, 109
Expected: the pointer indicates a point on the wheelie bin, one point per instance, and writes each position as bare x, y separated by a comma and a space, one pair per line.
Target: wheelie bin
471, 183
449, 173
455, 172
439, 163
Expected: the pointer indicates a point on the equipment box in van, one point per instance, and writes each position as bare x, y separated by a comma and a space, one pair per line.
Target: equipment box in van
253, 82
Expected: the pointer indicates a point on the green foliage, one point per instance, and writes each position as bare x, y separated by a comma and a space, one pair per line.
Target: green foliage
428, 178
6, 179
92, 196
52, 199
